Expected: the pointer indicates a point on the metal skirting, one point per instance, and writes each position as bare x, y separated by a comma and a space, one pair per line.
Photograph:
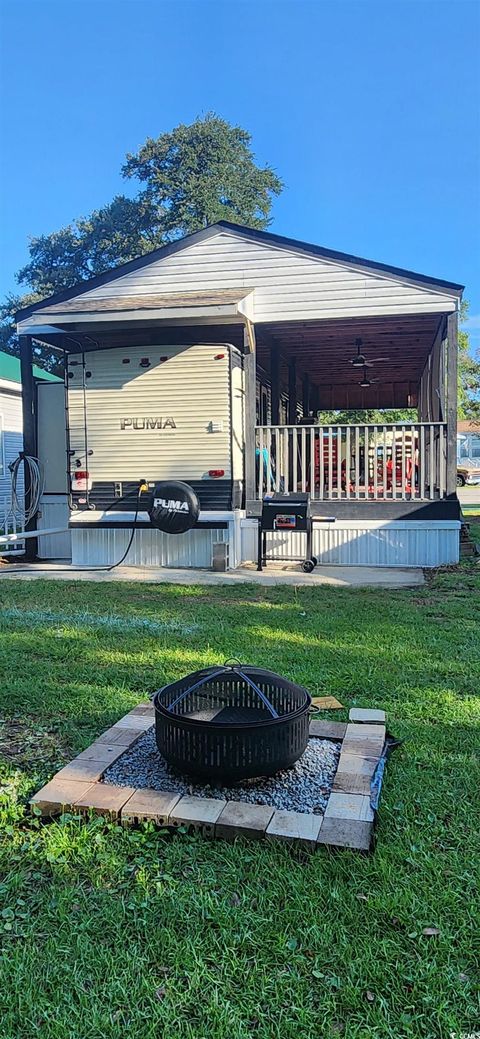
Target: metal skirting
104, 547
401, 544
54, 513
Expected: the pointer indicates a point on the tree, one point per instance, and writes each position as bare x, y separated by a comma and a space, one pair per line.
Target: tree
369, 417
189, 178
118, 232
468, 374
202, 173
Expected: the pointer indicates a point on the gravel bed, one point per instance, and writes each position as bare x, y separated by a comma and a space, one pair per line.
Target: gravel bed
303, 788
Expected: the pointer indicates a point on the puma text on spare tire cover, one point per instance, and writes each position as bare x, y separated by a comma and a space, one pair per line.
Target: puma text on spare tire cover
174, 507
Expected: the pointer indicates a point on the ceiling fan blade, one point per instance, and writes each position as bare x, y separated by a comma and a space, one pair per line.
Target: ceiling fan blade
376, 360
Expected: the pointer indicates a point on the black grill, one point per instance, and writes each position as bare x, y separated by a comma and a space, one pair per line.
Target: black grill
232, 722
282, 514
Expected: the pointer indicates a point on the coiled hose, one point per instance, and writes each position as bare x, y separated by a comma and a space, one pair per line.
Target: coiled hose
34, 478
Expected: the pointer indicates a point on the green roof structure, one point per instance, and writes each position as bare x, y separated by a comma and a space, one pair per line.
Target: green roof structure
10, 370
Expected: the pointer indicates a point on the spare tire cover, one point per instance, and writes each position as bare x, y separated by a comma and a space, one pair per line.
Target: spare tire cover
174, 507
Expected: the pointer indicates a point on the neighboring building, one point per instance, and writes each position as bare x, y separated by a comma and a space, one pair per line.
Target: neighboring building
207, 360
468, 440
11, 435
11, 428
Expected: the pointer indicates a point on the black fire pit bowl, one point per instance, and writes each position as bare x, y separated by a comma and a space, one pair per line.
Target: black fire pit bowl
231, 723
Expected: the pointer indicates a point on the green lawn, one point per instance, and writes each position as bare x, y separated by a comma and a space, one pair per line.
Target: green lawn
471, 513
109, 933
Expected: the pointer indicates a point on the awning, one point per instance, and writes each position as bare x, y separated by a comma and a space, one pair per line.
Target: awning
210, 306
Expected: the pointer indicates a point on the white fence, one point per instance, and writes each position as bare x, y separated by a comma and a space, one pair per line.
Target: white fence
395, 461
10, 523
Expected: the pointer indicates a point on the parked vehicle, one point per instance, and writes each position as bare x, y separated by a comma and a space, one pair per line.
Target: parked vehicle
468, 473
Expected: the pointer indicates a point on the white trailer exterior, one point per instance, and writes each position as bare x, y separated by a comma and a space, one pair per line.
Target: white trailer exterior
158, 413
155, 413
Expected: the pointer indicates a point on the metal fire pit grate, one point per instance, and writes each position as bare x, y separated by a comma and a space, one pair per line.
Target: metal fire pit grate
232, 722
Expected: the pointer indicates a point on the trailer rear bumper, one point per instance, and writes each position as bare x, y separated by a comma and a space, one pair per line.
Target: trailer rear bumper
118, 520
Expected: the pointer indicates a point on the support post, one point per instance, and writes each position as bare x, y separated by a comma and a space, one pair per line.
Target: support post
314, 398
292, 393
306, 395
452, 394
249, 370
29, 432
275, 383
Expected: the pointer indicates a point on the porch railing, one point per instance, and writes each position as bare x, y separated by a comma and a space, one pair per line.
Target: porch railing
395, 461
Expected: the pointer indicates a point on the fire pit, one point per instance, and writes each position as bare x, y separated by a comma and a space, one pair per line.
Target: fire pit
232, 722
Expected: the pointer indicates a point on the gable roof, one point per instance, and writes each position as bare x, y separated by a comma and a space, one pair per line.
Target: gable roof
469, 425
247, 233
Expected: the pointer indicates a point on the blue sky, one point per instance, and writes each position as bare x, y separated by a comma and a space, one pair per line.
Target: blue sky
368, 111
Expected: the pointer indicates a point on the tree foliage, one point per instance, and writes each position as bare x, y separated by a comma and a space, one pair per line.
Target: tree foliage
120, 231
468, 374
367, 416
202, 173
188, 178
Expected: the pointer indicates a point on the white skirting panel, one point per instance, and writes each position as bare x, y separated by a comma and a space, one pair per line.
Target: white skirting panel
367, 543
54, 512
103, 547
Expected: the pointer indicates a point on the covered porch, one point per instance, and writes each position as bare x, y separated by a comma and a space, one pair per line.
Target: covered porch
390, 363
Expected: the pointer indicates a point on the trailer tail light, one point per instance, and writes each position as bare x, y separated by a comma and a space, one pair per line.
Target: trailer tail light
81, 480
219, 357
216, 473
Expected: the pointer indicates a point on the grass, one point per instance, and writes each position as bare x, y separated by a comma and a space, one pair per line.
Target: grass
471, 513
110, 933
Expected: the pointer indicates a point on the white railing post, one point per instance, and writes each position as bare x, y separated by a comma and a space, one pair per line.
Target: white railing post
294, 458
312, 464
348, 460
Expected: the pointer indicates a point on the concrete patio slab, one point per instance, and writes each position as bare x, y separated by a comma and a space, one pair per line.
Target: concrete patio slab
335, 576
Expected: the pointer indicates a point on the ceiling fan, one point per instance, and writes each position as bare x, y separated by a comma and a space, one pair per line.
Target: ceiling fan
366, 381
360, 361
